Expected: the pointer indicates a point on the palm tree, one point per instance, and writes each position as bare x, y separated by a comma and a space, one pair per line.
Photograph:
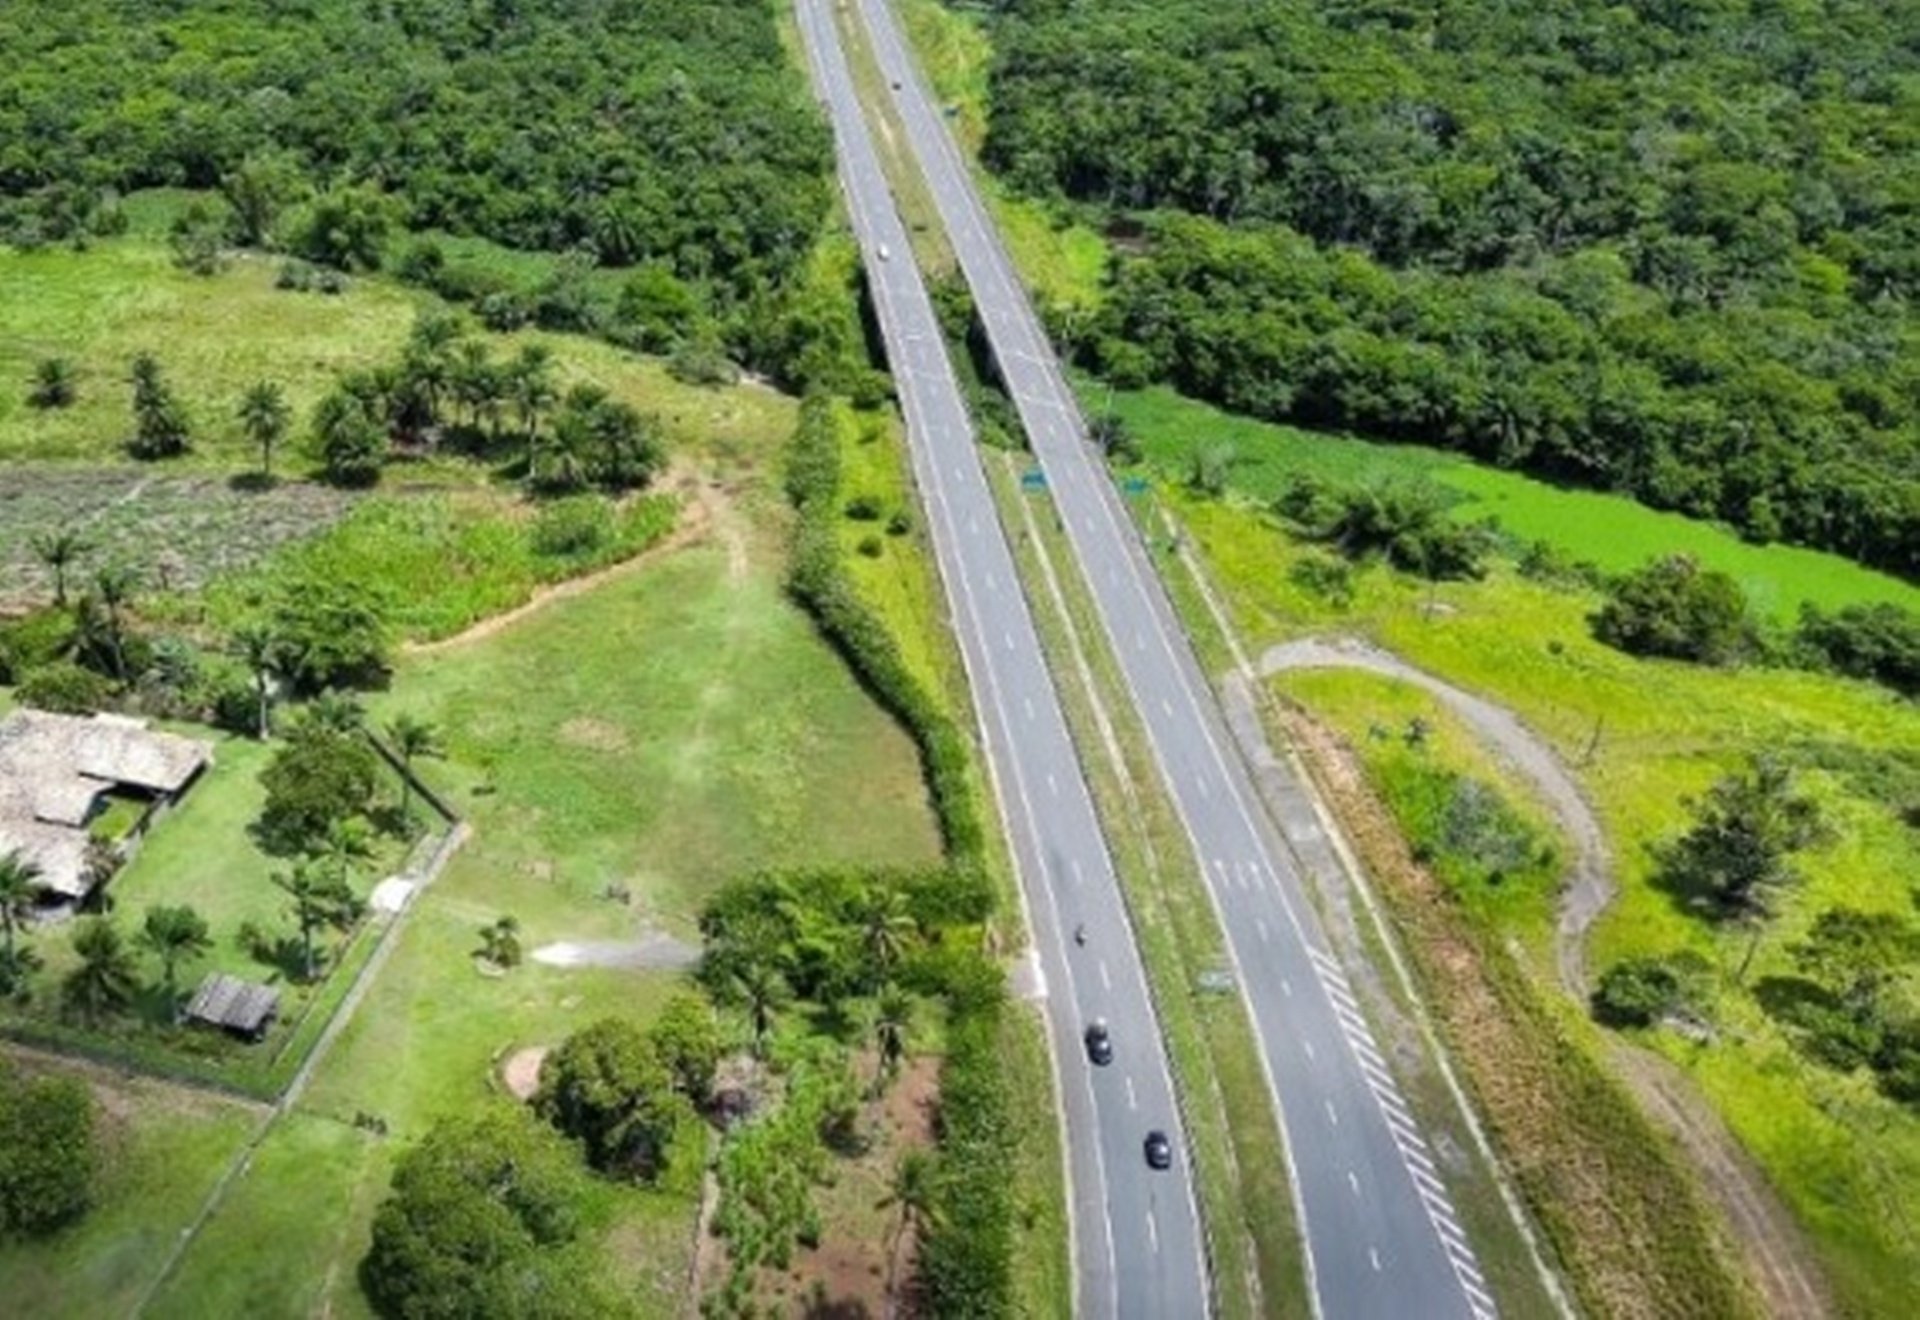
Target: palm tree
113, 588
105, 980
264, 417
174, 935
319, 900
885, 929
347, 843
914, 1193
410, 738
477, 384
53, 383
530, 387
760, 989
59, 551
256, 645
337, 712
19, 891
892, 1020
500, 942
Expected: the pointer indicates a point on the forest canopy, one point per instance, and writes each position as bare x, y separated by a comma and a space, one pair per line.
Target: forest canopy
668, 131
1669, 248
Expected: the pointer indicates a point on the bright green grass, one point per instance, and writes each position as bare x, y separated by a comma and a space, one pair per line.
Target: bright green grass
1064, 261
164, 1148
444, 560
667, 730
899, 582
1667, 730
1610, 530
217, 335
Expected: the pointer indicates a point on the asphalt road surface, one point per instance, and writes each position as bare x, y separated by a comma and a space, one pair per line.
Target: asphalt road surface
1381, 1235
1137, 1243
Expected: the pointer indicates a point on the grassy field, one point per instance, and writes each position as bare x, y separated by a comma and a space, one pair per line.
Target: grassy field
216, 335
1847, 1160
163, 1149
1608, 530
672, 727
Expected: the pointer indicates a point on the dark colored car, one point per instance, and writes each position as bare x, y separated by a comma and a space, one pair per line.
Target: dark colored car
1099, 1044
1159, 1150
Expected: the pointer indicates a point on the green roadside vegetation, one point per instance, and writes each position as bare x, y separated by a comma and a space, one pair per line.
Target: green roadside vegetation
1233, 1134
1611, 532
1660, 732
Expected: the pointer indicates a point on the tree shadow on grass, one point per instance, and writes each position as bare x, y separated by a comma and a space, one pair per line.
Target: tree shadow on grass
1689, 892
252, 483
1790, 999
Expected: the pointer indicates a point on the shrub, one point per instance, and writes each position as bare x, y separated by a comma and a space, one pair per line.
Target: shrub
1407, 522
900, 524
864, 508
48, 1152
33, 640
1638, 992
697, 363
294, 276
64, 688
1329, 579
871, 546
1879, 642
423, 263
575, 527
1673, 607
332, 632
321, 776
504, 311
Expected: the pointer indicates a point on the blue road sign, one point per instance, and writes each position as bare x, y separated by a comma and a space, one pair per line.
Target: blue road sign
1033, 479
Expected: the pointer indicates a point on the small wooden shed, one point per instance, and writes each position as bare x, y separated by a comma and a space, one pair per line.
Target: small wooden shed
244, 1008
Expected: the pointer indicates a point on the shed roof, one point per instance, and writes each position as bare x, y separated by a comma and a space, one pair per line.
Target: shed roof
227, 1001
58, 851
36, 746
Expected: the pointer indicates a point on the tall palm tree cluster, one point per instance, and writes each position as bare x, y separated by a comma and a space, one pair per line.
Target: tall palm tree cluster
98, 635
447, 386
838, 941
105, 979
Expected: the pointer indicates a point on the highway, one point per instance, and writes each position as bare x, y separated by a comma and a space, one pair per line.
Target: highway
1137, 1244
1381, 1235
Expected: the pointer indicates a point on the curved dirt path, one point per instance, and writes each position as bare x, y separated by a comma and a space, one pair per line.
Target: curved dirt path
1778, 1257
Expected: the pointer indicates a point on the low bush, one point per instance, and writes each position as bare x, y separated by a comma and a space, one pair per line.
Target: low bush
1638, 992
65, 689
573, 527
1879, 642
1673, 607
1407, 523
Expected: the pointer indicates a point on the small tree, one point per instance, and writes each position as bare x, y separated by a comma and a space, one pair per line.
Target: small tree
175, 935
49, 1153
1857, 955
350, 435
758, 989
105, 981
319, 777
160, 428
59, 551
1738, 854
608, 1088
54, 383
893, 1019
687, 1039
257, 646
264, 417
1673, 607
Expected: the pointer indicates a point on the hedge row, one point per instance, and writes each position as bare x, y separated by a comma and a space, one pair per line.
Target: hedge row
966, 1256
819, 581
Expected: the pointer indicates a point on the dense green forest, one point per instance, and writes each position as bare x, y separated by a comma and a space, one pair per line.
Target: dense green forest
670, 132
1669, 247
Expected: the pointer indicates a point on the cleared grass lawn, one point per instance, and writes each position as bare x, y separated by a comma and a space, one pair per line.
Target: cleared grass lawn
165, 1146
1610, 530
1847, 1160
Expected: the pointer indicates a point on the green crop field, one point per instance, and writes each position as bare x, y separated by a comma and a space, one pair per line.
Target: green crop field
1665, 731
1609, 530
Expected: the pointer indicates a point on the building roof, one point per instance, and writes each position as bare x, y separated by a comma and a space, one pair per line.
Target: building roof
53, 769
227, 1001
59, 852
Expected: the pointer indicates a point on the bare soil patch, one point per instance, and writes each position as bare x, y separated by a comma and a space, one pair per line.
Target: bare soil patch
521, 1072
596, 735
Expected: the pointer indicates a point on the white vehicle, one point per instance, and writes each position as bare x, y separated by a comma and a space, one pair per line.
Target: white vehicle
886, 253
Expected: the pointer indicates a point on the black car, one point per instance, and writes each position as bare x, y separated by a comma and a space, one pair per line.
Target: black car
1099, 1044
1159, 1150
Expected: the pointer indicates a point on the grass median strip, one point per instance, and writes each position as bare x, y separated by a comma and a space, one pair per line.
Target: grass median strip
1236, 1148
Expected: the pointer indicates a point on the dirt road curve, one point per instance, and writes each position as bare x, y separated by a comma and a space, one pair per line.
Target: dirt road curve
1779, 1259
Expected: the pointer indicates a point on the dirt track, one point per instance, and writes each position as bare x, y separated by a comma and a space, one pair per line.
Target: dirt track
1778, 1258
